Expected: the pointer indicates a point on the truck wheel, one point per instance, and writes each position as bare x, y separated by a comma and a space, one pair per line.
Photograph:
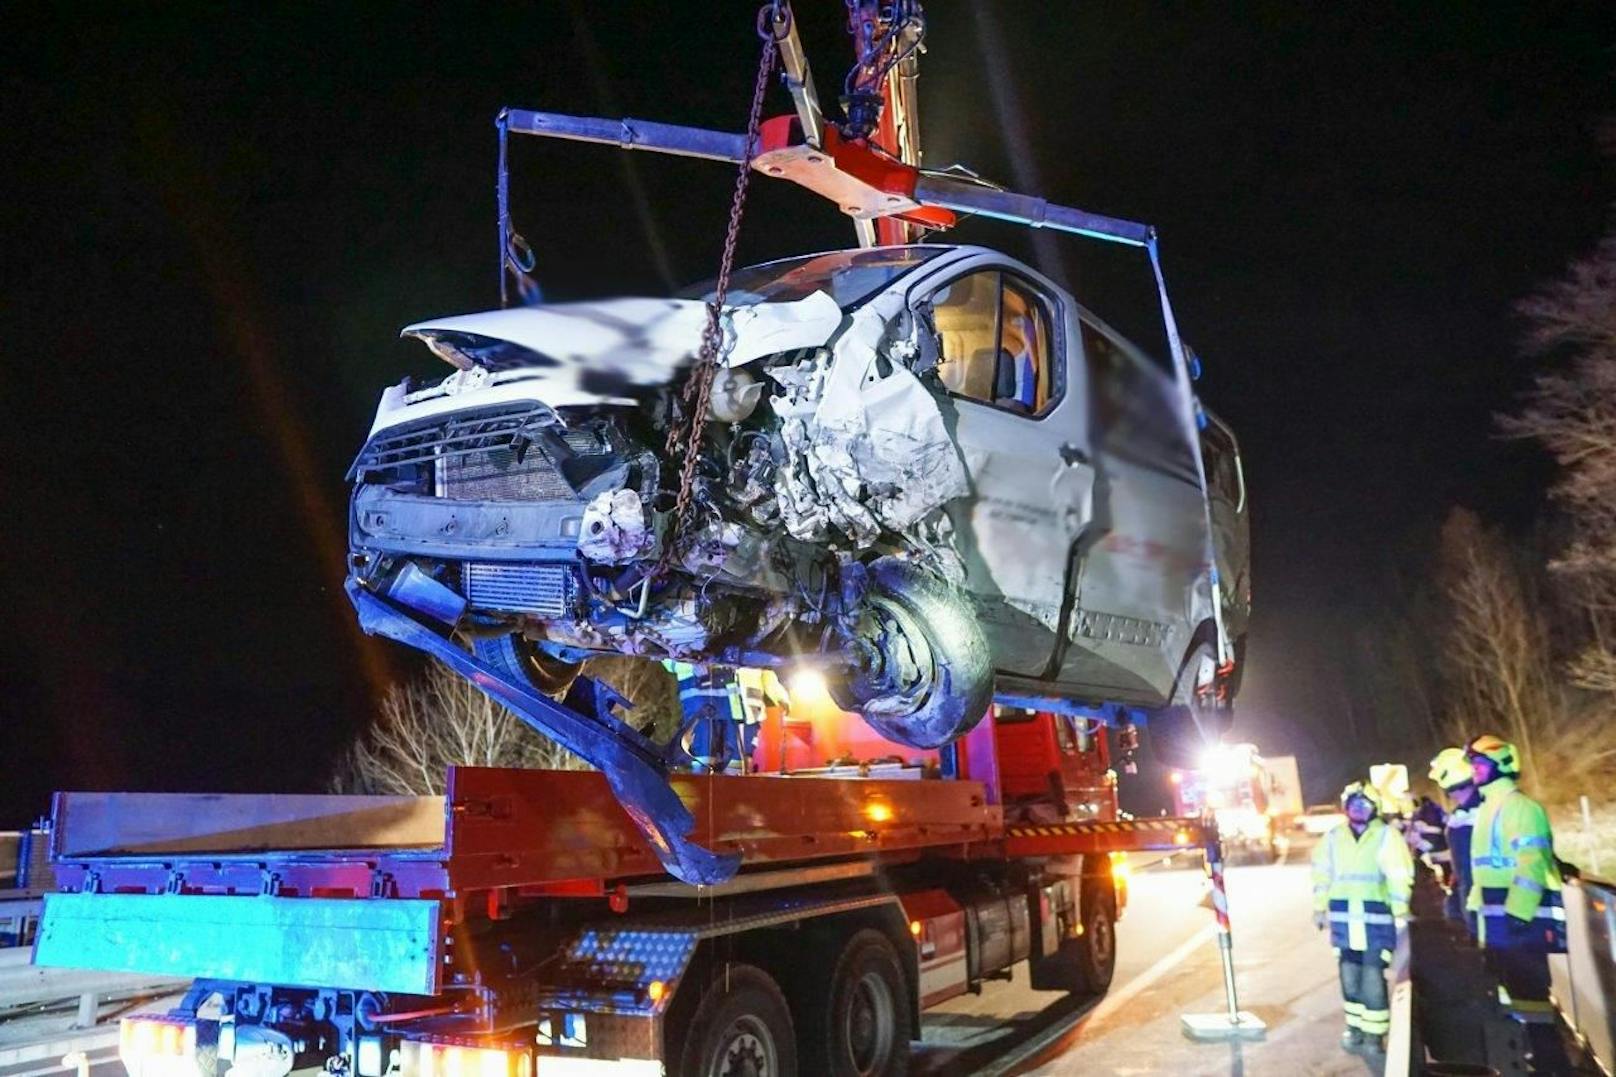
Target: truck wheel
857, 1020
518, 659
927, 675
1084, 965
741, 1028
1097, 946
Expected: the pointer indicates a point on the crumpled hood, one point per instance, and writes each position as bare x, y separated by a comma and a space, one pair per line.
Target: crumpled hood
626, 341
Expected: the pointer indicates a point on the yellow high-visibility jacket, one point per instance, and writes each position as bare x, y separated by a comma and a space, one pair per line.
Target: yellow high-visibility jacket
1364, 882
1514, 873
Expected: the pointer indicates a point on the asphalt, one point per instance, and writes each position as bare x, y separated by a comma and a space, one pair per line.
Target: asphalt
1168, 966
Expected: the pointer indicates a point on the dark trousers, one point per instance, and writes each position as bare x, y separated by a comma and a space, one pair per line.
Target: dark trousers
1523, 989
1363, 992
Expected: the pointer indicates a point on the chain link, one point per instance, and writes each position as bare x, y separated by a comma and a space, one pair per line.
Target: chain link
698, 388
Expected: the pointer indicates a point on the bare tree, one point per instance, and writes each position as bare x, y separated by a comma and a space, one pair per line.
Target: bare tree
1500, 671
1572, 412
435, 721
440, 719
1502, 675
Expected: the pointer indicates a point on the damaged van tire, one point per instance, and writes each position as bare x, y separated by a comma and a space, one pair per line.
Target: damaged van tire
926, 675
1193, 720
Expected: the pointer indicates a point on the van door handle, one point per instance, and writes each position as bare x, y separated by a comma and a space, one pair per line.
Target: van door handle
1070, 454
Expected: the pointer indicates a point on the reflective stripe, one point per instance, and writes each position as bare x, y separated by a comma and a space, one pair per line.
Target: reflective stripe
1361, 918
1531, 841
1493, 861
1527, 884
1359, 877
1544, 912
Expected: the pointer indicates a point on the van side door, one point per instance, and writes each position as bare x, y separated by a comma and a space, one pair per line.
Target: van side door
1137, 582
1018, 418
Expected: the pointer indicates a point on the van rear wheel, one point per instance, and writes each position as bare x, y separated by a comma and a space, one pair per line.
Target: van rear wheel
1194, 719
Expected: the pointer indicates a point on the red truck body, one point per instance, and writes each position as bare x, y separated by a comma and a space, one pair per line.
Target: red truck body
381, 932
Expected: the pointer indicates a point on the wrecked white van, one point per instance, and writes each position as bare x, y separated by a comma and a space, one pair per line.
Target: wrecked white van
926, 470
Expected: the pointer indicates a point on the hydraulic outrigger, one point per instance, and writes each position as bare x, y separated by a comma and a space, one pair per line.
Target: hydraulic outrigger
869, 166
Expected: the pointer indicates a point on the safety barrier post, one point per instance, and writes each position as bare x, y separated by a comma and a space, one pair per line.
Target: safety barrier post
1234, 1023
89, 1010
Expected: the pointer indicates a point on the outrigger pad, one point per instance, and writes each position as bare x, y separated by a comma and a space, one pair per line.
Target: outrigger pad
632, 764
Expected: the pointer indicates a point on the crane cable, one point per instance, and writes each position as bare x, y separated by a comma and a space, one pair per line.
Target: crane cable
698, 387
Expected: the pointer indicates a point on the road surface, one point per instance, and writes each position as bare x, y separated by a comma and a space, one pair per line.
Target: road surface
1168, 965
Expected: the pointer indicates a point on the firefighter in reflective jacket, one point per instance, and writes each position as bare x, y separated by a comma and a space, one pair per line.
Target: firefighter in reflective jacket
1451, 770
1362, 877
715, 729
1515, 894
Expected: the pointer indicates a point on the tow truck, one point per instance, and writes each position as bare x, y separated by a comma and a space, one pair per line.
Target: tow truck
642, 917
522, 924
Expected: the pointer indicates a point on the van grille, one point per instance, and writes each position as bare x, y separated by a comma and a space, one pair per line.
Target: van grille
507, 453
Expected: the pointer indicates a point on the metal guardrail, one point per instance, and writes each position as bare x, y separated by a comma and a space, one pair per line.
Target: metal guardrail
24, 984
1585, 979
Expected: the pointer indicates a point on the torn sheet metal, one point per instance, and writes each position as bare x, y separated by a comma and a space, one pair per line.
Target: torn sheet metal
585, 724
868, 447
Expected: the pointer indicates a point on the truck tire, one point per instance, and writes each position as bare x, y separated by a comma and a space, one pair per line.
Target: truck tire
856, 1017
519, 660
1086, 964
1097, 946
741, 1028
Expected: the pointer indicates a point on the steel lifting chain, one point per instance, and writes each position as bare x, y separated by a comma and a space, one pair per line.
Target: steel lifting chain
699, 386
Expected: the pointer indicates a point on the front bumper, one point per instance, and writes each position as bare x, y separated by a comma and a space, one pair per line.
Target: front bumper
383, 521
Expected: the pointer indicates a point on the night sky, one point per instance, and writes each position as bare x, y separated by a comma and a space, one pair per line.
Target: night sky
214, 225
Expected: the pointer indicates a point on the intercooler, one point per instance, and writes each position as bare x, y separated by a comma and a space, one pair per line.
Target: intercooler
542, 590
